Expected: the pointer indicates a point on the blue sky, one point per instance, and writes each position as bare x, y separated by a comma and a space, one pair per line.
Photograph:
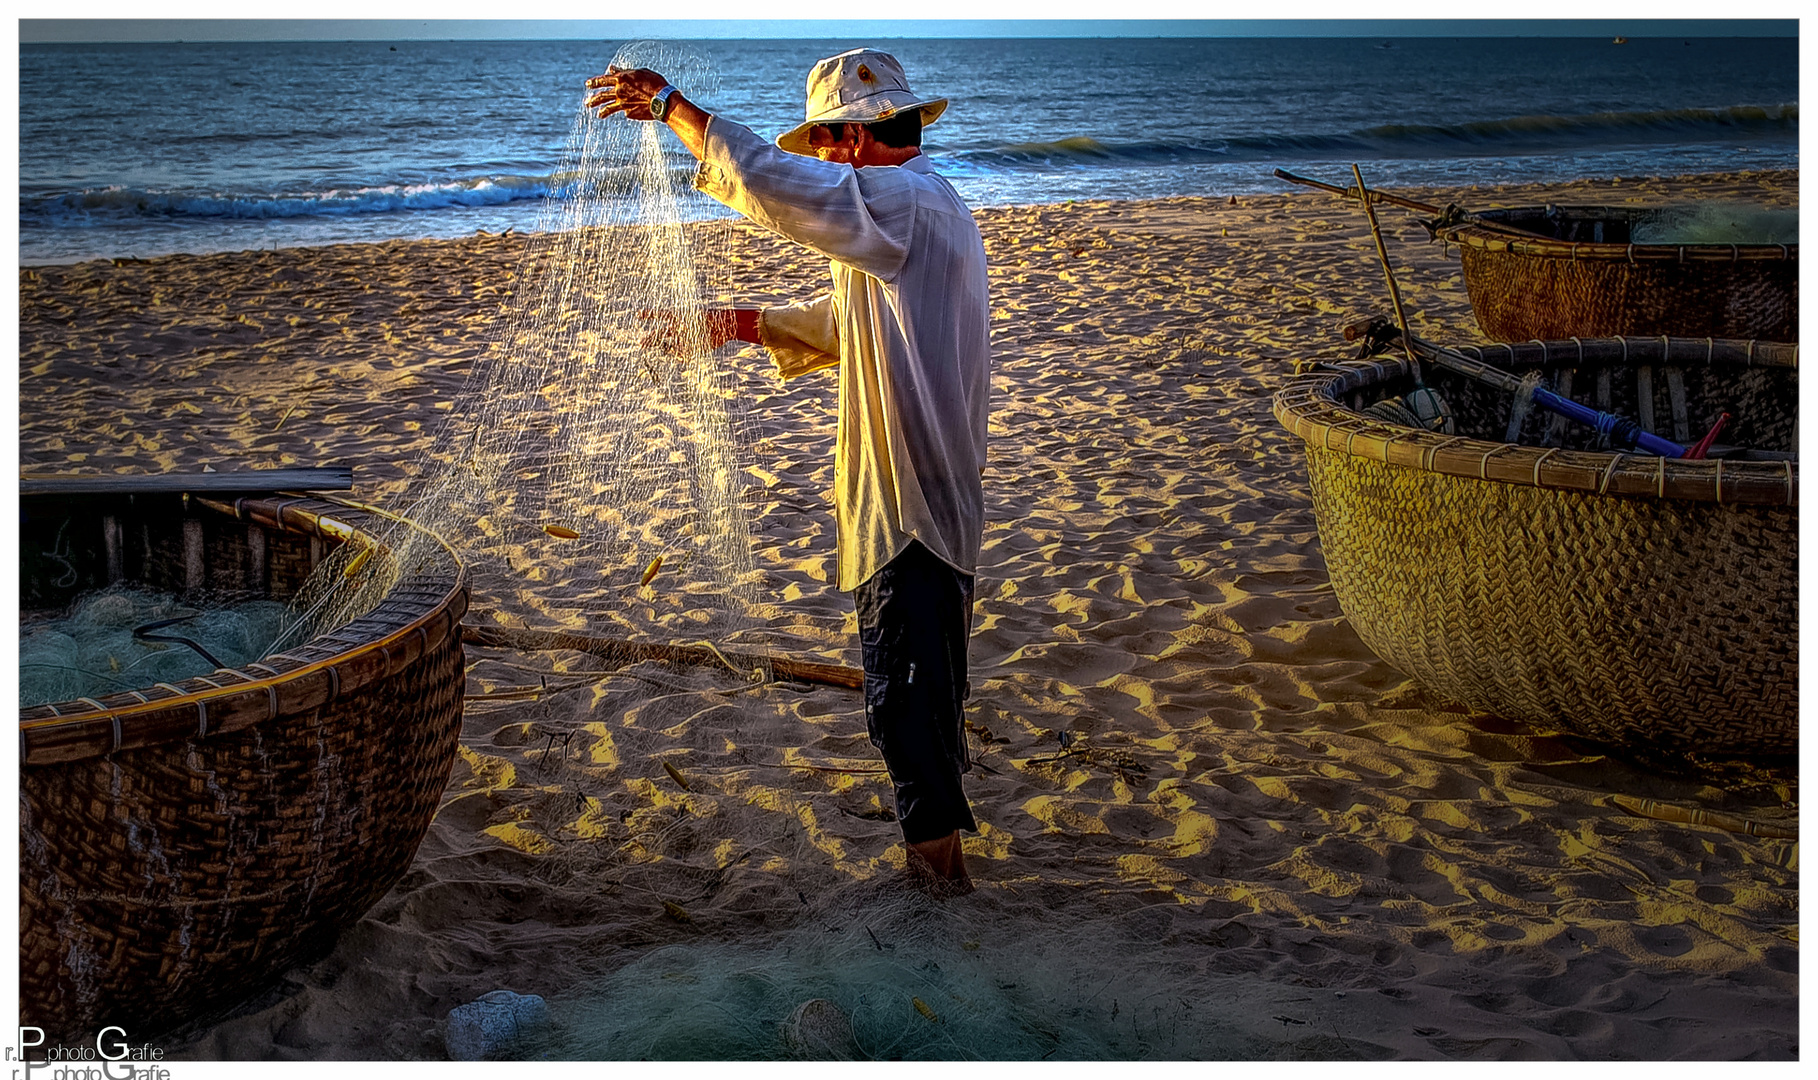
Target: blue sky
203, 29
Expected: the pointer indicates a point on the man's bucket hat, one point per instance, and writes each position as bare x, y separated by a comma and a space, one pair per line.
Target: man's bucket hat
857, 87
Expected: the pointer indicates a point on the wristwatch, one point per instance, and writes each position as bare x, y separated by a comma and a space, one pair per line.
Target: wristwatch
659, 102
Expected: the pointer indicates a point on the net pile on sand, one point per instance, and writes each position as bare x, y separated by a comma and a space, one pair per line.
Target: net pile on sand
871, 977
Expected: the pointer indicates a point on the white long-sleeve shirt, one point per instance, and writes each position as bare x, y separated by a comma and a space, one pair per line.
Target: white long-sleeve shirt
908, 323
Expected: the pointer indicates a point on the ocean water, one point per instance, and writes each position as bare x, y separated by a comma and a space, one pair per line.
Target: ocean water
140, 150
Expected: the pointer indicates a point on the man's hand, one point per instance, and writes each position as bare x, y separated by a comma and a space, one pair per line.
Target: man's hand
625, 90
678, 336
629, 91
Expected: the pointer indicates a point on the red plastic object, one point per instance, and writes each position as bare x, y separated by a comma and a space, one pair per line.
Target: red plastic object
1703, 446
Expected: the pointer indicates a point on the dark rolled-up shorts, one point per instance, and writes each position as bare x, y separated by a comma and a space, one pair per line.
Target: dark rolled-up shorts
914, 616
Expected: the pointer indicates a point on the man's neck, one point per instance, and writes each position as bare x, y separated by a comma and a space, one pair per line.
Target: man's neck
885, 155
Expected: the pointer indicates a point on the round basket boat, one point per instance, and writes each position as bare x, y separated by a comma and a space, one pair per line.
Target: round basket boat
1551, 273
1626, 598
182, 844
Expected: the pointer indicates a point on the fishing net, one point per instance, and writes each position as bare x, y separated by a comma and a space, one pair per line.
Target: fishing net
94, 649
590, 477
576, 457
1718, 223
870, 975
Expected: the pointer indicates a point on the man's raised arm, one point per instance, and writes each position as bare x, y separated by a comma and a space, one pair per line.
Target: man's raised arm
861, 220
630, 90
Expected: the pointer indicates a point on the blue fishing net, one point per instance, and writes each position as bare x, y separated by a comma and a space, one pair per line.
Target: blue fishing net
908, 979
93, 650
1719, 223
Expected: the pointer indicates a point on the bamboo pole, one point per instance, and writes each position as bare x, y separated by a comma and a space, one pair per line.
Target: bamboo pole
1382, 252
1736, 823
1624, 430
1428, 208
1618, 427
1375, 196
628, 652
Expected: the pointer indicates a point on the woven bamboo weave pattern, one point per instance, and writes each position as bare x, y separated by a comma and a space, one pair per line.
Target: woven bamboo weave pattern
1623, 597
177, 855
1622, 619
1550, 289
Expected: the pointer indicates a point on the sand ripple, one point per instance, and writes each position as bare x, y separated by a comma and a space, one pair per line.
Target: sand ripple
1181, 742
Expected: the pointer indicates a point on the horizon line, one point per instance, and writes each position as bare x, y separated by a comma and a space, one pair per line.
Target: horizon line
188, 30
915, 37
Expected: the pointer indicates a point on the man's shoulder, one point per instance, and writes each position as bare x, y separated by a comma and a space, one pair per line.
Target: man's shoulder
941, 196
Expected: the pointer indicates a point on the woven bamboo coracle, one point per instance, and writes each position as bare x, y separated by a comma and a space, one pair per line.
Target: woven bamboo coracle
1552, 273
1626, 598
184, 844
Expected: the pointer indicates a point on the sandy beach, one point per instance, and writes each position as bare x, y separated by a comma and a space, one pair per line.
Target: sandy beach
1213, 823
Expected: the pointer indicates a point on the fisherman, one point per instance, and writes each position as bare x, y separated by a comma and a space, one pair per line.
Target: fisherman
907, 323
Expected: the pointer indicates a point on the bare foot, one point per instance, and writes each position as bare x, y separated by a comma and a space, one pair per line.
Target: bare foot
938, 867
